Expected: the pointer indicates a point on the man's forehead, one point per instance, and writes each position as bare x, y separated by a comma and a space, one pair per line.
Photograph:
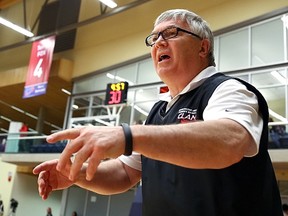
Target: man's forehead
169, 23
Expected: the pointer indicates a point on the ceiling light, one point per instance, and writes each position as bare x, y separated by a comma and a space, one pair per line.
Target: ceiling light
111, 76
109, 3
75, 106
5, 118
66, 91
16, 27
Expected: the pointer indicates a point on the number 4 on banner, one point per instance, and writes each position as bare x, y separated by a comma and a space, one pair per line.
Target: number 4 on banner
38, 69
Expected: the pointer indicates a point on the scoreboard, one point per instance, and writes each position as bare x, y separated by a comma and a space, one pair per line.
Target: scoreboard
116, 93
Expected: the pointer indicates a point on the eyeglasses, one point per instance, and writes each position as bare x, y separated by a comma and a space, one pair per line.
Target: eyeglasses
166, 34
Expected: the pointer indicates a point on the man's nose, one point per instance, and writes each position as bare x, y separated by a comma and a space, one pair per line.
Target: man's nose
160, 40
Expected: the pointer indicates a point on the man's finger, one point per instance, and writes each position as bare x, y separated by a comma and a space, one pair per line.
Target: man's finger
93, 164
80, 158
65, 158
63, 135
44, 166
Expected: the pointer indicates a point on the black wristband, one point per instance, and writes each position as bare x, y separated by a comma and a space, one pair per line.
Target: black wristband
128, 139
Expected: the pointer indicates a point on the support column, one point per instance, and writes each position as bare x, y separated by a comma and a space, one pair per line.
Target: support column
41, 119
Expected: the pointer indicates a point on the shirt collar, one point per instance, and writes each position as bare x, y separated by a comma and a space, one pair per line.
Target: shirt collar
194, 83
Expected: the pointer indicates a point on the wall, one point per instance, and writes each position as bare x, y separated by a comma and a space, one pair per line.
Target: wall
25, 191
23, 188
121, 37
5, 185
91, 204
100, 55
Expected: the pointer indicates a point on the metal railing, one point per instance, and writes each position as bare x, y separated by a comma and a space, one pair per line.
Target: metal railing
32, 142
28, 142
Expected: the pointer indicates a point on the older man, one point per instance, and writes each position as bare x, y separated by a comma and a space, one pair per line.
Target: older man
203, 148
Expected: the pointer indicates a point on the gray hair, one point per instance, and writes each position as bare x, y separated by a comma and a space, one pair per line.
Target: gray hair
197, 25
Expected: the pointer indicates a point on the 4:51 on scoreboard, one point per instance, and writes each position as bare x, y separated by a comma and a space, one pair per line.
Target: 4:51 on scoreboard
116, 93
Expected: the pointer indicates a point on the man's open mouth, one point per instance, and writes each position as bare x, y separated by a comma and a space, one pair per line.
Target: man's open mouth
163, 57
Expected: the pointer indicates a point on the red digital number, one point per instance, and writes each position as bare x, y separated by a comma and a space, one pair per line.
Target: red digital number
115, 97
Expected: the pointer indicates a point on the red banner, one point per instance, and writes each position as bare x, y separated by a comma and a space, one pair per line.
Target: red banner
39, 67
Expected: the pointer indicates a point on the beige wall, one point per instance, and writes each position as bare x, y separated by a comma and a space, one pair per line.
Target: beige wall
101, 55
5, 185
233, 12
121, 37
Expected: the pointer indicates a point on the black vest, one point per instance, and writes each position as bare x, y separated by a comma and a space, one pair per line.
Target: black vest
247, 188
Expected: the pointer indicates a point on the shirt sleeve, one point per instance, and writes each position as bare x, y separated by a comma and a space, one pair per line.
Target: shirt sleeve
232, 100
133, 161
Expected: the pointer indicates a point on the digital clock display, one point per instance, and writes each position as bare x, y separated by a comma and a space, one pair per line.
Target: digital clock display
116, 93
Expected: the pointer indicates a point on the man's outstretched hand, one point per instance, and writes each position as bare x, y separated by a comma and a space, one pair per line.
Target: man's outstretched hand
50, 178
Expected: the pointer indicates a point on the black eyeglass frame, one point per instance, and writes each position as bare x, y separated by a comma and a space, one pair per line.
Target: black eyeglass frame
161, 33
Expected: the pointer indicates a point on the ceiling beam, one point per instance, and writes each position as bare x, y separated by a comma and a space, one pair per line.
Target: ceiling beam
8, 3
76, 25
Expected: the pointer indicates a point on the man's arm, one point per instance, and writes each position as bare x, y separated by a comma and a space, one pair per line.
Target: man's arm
111, 177
206, 144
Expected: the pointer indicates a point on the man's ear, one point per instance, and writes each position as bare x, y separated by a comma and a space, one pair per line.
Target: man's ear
204, 48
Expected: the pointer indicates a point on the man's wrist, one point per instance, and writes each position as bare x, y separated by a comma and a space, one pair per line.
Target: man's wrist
128, 139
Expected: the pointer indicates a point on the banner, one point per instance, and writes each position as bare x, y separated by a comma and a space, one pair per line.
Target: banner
39, 67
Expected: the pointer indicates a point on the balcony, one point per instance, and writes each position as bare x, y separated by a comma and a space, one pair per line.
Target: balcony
29, 149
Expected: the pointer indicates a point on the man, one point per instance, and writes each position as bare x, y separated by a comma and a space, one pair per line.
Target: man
49, 211
202, 150
1, 208
13, 207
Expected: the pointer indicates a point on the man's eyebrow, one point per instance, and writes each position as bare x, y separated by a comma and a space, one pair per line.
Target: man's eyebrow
170, 26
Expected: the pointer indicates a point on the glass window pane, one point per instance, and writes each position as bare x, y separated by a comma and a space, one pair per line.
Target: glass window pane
233, 50
267, 43
145, 98
147, 73
125, 114
147, 94
275, 97
284, 19
93, 83
141, 111
269, 78
273, 90
80, 107
130, 96
243, 77
97, 108
216, 51
127, 73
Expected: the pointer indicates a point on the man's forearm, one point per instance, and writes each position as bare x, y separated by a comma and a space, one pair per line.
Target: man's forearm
110, 178
207, 144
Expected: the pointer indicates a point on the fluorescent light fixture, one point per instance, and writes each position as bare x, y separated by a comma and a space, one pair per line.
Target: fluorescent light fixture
111, 76
279, 77
16, 27
5, 118
6, 131
17, 109
284, 19
66, 91
74, 106
109, 3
